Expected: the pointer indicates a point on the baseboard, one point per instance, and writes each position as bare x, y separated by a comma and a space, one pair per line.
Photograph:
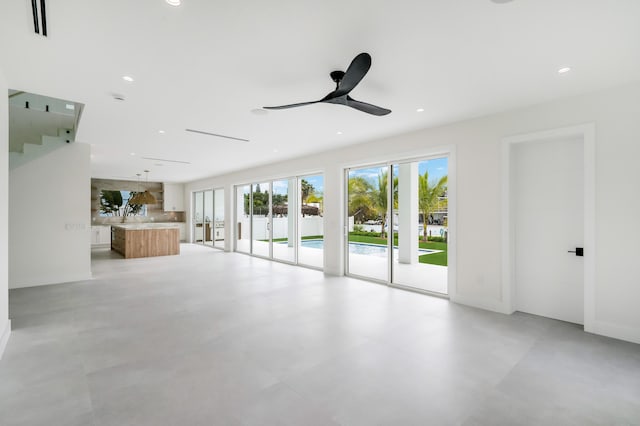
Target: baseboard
4, 337
629, 334
482, 303
101, 245
47, 280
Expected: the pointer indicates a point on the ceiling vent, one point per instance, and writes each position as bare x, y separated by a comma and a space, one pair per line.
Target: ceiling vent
39, 10
165, 160
202, 132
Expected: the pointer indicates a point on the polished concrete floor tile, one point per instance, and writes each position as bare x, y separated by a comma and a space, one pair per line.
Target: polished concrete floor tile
214, 338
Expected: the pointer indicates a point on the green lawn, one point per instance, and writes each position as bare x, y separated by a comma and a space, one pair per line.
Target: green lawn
432, 259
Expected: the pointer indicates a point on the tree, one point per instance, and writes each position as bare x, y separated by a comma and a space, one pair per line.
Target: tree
306, 189
380, 197
428, 196
110, 202
360, 200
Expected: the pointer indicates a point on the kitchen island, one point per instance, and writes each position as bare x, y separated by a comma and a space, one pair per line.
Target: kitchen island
145, 239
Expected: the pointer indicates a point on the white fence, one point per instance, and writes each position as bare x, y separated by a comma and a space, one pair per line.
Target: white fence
309, 225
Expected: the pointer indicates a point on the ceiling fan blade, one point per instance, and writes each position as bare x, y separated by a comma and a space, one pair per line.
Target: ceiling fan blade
365, 107
356, 72
291, 105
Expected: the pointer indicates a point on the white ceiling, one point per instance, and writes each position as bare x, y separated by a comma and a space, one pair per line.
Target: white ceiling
208, 63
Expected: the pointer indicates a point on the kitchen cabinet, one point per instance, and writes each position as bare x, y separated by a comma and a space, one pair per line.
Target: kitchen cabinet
173, 194
100, 235
146, 240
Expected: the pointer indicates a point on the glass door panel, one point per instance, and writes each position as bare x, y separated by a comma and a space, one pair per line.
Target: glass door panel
261, 219
284, 209
368, 222
310, 220
198, 217
420, 259
243, 219
218, 218
208, 218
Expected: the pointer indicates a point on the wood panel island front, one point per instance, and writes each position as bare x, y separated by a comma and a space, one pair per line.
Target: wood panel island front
145, 239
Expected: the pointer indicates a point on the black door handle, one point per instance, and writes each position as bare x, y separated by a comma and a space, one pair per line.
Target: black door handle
579, 251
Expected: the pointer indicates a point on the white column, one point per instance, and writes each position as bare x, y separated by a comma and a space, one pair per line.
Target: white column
408, 213
5, 323
292, 211
333, 220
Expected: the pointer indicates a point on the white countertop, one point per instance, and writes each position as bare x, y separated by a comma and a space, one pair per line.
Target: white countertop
139, 226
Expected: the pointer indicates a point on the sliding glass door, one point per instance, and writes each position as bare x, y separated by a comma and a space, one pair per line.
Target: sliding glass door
243, 219
261, 219
368, 222
397, 217
198, 217
310, 220
204, 218
282, 220
208, 218
218, 215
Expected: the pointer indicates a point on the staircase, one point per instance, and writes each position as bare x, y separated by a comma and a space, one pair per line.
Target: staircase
39, 125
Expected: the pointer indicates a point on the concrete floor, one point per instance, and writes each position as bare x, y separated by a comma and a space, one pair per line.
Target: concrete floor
214, 338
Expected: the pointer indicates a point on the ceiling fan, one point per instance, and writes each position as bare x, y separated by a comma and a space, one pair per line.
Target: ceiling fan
345, 83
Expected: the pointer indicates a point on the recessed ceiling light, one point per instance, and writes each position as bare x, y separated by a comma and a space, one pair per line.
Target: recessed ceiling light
564, 70
127, 78
338, 133
275, 150
70, 106
173, 2
161, 132
133, 153
420, 110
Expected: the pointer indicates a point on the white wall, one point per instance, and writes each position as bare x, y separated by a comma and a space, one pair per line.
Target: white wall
49, 218
477, 146
5, 324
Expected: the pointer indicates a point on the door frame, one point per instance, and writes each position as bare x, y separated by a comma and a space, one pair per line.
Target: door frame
448, 151
586, 132
296, 180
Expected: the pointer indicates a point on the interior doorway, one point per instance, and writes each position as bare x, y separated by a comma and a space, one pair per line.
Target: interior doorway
548, 231
548, 213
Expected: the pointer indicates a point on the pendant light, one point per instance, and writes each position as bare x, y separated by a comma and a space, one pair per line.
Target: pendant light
144, 197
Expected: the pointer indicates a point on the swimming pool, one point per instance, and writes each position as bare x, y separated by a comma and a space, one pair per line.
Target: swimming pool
362, 248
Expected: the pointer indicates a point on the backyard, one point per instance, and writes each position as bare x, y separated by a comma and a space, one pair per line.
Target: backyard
439, 258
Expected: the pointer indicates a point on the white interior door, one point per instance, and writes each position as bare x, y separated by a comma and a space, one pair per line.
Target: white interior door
548, 213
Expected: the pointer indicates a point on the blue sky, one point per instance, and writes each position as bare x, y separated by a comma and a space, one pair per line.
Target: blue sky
436, 167
280, 186
317, 181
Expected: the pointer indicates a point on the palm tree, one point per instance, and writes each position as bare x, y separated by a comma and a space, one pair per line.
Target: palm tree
380, 197
360, 202
306, 189
428, 196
